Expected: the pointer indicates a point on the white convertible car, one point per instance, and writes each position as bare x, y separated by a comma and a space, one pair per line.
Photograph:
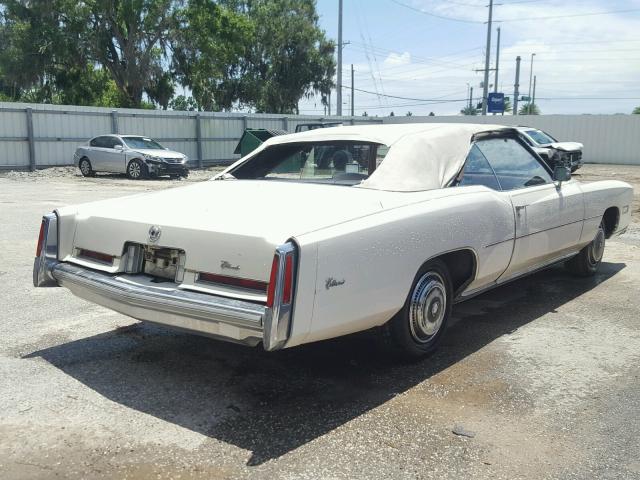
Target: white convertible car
334, 231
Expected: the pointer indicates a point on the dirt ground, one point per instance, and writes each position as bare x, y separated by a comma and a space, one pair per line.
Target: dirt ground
539, 379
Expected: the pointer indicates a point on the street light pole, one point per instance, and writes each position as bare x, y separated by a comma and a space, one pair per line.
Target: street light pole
516, 87
485, 92
339, 86
530, 81
495, 81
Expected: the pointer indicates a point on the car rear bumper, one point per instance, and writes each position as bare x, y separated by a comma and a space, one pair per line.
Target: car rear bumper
162, 303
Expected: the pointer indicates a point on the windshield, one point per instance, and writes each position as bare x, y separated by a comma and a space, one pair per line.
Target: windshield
540, 137
142, 142
336, 162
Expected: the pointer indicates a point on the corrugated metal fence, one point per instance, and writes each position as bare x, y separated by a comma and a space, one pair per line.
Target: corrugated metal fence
35, 136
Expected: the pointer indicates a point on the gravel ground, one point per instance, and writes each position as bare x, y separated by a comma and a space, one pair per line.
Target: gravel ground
538, 379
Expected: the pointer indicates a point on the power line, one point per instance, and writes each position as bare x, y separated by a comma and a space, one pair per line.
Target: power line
401, 98
454, 19
611, 12
435, 15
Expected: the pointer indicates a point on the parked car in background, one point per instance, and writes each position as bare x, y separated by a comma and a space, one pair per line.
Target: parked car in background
329, 232
137, 156
552, 151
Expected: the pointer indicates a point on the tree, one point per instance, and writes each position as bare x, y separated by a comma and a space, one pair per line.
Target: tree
636, 111
408, 114
287, 57
469, 110
130, 38
53, 49
38, 56
392, 114
507, 105
431, 114
210, 43
529, 109
365, 114
183, 103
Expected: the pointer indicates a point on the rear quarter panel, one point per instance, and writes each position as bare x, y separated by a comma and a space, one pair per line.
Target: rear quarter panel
598, 197
365, 267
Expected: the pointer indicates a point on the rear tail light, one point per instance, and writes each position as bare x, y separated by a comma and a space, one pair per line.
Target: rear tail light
280, 293
288, 279
97, 256
40, 239
233, 281
281, 261
271, 290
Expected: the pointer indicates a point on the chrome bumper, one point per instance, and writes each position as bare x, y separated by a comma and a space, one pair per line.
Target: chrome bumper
137, 297
166, 303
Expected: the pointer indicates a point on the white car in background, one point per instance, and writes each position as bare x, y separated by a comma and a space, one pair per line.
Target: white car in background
550, 150
332, 231
137, 156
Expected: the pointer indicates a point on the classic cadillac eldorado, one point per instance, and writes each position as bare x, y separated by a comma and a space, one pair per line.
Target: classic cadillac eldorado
333, 231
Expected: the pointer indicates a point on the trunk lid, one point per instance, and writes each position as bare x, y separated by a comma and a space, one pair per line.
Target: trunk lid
229, 227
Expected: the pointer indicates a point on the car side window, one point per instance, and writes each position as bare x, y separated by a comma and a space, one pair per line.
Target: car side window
477, 171
98, 142
512, 163
111, 142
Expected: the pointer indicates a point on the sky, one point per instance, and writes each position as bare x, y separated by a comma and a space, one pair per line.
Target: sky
585, 61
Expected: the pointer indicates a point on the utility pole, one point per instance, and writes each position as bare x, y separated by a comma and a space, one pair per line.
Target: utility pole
339, 92
531, 76
470, 97
532, 102
516, 87
352, 92
495, 82
485, 92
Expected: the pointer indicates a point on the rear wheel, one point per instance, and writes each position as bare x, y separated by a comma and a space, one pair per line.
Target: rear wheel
136, 170
85, 168
416, 330
586, 263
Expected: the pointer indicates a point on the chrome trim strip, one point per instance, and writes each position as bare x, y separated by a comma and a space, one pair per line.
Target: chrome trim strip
473, 293
277, 320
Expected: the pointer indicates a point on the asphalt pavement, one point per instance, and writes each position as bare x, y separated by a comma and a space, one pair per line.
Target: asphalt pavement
539, 379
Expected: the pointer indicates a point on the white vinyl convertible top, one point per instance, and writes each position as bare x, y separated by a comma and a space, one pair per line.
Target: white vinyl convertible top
422, 156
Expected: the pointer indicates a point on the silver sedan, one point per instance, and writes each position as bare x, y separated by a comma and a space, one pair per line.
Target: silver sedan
135, 155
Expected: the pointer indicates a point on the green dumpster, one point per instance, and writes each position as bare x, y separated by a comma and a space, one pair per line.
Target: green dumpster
252, 138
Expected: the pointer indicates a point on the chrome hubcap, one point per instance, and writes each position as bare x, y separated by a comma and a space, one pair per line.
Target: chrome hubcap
134, 170
427, 307
596, 248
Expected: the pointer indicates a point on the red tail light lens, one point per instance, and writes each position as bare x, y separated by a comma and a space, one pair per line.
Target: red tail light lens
40, 239
233, 281
100, 257
271, 290
288, 280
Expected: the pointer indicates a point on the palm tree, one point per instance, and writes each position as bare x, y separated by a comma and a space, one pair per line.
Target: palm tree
469, 110
507, 105
529, 109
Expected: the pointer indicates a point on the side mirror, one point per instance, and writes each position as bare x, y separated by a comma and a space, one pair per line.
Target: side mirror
561, 173
118, 147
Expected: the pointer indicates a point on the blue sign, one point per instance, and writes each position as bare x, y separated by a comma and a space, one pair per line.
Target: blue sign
495, 103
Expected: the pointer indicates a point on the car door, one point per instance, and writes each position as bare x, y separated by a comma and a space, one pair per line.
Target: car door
548, 216
98, 154
114, 158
